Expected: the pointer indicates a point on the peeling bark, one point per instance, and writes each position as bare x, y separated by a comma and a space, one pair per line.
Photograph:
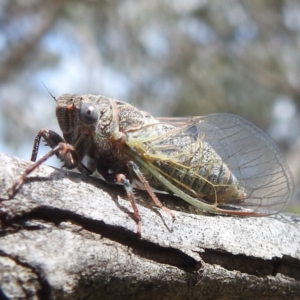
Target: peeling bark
70, 236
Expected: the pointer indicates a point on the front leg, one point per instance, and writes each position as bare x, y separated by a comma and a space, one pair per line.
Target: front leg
51, 138
60, 148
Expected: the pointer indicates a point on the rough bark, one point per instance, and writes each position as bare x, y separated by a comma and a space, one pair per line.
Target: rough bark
69, 236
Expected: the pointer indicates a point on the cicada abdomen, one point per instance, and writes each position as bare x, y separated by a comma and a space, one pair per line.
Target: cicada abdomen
191, 164
219, 163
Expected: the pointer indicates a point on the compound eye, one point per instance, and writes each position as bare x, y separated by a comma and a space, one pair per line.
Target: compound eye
88, 114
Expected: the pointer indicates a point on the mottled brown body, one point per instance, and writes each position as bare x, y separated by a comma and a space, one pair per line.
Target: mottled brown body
186, 160
219, 163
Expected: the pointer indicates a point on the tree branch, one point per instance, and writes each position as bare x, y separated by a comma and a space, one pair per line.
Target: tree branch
47, 13
69, 236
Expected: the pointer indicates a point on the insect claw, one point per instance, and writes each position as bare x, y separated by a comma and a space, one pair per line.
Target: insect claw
169, 212
139, 230
15, 188
11, 193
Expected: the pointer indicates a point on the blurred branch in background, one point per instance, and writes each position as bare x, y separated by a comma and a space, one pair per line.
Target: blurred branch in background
171, 58
21, 37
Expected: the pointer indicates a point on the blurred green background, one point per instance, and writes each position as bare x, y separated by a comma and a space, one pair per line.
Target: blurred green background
171, 58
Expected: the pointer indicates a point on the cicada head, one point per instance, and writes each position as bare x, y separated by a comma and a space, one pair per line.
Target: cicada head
76, 115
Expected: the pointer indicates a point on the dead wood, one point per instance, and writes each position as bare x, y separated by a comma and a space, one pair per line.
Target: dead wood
70, 236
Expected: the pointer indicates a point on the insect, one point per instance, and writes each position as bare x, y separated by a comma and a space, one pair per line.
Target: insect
220, 163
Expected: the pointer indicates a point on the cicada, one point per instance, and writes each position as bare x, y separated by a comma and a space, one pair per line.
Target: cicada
219, 163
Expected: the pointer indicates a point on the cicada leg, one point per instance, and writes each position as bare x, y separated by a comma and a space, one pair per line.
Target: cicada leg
51, 138
136, 215
60, 148
143, 180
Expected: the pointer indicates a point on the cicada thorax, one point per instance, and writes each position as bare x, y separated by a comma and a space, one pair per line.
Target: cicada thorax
190, 164
116, 120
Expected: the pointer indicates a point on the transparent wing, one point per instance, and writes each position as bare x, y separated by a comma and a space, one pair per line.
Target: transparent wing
249, 153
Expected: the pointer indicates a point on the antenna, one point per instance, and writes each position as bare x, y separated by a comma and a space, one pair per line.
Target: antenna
49, 92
